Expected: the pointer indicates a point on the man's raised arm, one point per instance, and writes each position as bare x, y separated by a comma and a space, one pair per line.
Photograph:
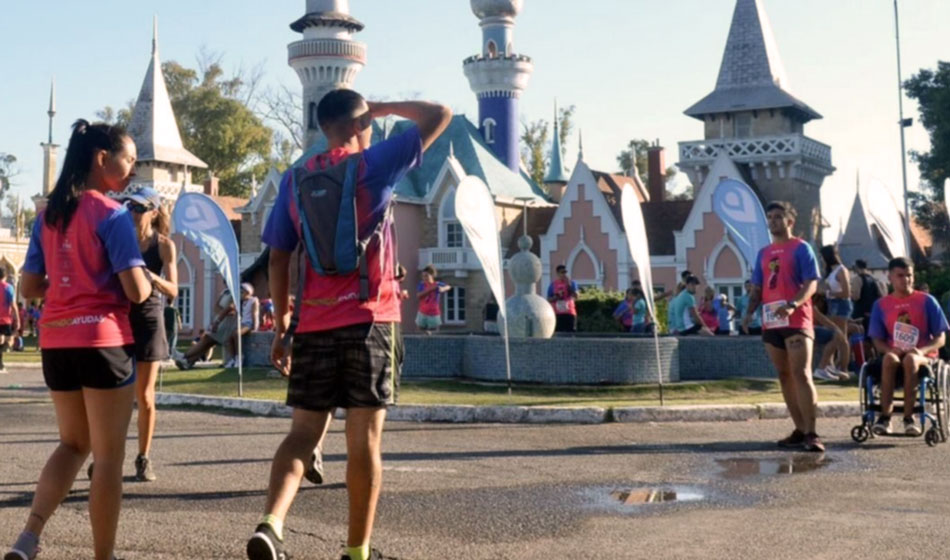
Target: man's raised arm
431, 118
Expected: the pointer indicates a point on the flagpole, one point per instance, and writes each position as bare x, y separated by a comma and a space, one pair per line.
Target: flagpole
240, 359
659, 366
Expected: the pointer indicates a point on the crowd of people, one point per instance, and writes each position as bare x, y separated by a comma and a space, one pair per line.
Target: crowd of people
102, 268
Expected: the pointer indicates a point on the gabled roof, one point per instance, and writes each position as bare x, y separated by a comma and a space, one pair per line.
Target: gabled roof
231, 206
271, 185
463, 140
539, 219
153, 126
751, 76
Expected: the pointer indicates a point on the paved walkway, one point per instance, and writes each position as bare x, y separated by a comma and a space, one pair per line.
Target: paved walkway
489, 491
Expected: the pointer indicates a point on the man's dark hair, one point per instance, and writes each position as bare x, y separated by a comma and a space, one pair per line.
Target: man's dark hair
638, 293
784, 207
431, 270
560, 268
899, 262
692, 280
861, 263
337, 105
636, 284
685, 274
3, 273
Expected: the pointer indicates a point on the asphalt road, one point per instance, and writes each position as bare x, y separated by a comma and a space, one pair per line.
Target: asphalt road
502, 491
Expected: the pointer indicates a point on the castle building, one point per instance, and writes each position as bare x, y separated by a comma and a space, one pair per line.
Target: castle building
752, 117
326, 58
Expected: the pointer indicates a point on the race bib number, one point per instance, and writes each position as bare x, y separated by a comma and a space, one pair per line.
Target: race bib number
562, 306
906, 336
769, 319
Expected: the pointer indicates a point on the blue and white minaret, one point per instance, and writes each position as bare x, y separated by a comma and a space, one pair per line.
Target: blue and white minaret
498, 76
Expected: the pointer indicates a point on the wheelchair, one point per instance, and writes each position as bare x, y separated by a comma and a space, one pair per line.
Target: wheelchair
933, 398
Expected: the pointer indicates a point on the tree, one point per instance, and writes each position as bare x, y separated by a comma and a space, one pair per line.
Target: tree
23, 215
931, 89
217, 121
8, 170
640, 147
534, 140
565, 126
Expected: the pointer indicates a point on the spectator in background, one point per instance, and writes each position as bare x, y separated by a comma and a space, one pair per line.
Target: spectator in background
562, 293
429, 291
725, 312
831, 365
624, 312
742, 307
222, 327
686, 315
708, 309
868, 292
250, 321
837, 284
267, 315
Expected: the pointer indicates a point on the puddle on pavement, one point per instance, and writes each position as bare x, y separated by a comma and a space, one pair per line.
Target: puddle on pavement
745, 467
660, 495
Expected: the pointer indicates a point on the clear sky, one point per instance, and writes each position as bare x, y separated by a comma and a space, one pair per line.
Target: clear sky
630, 66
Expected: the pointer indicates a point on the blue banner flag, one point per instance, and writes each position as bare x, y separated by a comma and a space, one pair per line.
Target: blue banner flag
199, 218
739, 209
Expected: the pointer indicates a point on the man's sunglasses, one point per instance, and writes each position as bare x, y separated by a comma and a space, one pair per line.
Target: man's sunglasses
137, 208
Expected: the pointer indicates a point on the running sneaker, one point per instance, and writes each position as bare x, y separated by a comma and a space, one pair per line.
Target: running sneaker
183, 363
813, 443
841, 374
823, 373
373, 555
26, 547
266, 545
143, 469
314, 472
911, 428
883, 426
228, 364
796, 439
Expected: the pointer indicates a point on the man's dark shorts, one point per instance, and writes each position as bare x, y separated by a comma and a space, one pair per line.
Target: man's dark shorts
6, 330
777, 337
354, 366
565, 322
71, 369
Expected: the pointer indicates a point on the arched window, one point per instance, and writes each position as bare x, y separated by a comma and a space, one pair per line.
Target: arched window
492, 49
312, 116
451, 235
488, 128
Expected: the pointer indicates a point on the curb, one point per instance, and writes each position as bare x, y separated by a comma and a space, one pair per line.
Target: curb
467, 414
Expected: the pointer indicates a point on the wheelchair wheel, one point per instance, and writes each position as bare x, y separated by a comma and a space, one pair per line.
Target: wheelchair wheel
942, 400
860, 433
932, 437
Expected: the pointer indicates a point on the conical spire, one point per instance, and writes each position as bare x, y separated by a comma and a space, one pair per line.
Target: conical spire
751, 75
51, 112
556, 172
580, 144
153, 125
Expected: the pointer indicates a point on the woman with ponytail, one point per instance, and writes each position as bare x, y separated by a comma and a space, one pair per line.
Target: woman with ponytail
83, 259
152, 225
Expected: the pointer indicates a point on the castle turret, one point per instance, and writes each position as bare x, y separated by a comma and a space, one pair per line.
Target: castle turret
49, 148
327, 57
752, 117
556, 179
498, 76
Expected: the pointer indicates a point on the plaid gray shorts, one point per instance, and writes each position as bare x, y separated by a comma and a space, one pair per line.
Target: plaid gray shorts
354, 366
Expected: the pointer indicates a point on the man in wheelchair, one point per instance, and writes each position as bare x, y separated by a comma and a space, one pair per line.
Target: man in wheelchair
908, 329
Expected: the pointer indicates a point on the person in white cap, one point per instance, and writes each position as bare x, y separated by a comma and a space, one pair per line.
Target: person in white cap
250, 321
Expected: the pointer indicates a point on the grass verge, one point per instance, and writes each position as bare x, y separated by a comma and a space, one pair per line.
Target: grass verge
258, 385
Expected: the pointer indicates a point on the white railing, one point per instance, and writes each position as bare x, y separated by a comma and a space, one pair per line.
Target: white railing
462, 258
327, 47
792, 147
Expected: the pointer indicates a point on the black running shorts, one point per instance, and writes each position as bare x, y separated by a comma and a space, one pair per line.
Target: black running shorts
777, 337
355, 366
6, 330
71, 369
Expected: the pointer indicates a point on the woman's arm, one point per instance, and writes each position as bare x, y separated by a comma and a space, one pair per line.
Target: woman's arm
135, 284
844, 280
169, 284
34, 286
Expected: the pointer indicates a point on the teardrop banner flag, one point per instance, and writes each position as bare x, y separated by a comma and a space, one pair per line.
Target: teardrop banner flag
636, 232
739, 209
199, 218
475, 210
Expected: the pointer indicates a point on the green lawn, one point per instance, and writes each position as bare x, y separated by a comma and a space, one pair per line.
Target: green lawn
258, 385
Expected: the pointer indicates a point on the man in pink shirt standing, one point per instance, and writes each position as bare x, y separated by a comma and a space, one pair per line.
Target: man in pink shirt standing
783, 281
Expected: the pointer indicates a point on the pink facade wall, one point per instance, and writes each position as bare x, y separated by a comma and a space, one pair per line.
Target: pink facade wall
409, 220
727, 264
708, 236
582, 216
199, 319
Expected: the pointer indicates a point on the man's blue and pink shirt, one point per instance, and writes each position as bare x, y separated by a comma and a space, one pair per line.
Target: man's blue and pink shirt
781, 269
85, 304
331, 302
907, 322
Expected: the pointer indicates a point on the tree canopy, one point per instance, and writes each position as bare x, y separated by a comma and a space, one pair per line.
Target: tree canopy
931, 90
534, 142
